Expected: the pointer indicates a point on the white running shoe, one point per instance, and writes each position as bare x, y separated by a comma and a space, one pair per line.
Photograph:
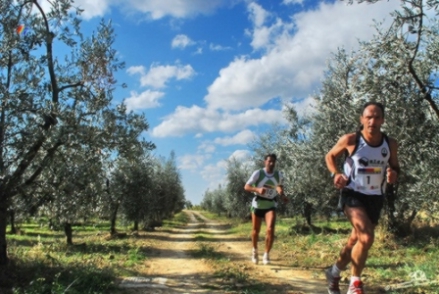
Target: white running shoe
356, 288
333, 282
255, 256
266, 259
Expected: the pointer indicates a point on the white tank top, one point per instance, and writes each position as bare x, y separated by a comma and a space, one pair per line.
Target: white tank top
366, 167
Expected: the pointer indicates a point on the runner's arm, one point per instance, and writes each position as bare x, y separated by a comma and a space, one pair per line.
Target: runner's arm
249, 185
393, 161
336, 151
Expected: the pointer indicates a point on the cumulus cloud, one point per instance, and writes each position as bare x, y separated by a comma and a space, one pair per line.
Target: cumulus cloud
159, 75
294, 61
195, 119
305, 106
157, 9
240, 155
192, 161
181, 41
144, 100
214, 47
214, 174
206, 147
287, 2
153, 9
242, 138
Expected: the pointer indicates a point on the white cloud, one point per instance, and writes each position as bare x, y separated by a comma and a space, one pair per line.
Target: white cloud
198, 51
153, 9
159, 75
262, 35
139, 69
242, 138
305, 106
286, 2
207, 147
294, 62
157, 9
214, 47
192, 161
95, 8
241, 155
181, 41
196, 119
215, 174
144, 100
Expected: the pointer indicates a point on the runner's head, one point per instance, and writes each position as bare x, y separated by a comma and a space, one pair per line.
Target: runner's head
372, 117
270, 162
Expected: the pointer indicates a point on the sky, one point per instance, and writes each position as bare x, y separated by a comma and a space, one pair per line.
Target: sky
210, 75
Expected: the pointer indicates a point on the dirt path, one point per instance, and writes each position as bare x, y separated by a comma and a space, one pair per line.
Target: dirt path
173, 268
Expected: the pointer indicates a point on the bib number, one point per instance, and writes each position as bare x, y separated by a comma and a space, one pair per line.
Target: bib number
269, 193
370, 178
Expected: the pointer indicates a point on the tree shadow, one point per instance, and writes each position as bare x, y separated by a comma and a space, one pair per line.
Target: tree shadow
37, 277
304, 229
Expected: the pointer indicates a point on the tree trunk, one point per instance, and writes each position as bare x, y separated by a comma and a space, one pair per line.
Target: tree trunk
136, 226
396, 223
113, 220
68, 231
307, 212
390, 205
12, 221
3, 223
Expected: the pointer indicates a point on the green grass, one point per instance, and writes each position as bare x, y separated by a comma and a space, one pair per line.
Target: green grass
42, 262
391, 260
207, 252
179, 220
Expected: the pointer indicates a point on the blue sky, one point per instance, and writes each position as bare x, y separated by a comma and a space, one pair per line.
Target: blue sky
211, 74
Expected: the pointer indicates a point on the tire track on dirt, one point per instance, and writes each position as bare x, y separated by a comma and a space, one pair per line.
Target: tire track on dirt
172, 269
278, 273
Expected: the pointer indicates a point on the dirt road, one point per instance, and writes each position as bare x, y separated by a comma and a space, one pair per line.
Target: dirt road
174, 269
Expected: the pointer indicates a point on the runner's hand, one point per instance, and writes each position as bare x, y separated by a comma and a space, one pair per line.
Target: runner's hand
391, 175
284, 198
261, 191
340, 181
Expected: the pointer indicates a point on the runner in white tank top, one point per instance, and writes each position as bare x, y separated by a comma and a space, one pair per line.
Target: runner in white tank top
372, 162
266, 184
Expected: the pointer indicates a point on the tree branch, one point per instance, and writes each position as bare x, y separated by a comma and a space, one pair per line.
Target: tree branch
70, 86
49, 39
424, 89
43, 164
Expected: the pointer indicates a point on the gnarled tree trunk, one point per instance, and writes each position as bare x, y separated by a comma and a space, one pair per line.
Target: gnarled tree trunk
68, 231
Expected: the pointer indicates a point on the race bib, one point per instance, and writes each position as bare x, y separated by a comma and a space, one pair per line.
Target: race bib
370, 178
270, 193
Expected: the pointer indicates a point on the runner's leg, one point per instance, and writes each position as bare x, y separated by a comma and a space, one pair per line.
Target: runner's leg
270, 220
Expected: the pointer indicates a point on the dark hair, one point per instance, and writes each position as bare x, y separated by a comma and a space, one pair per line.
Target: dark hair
377, 104
272, 155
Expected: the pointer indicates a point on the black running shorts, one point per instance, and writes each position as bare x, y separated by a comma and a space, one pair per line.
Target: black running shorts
261, 212
373, 204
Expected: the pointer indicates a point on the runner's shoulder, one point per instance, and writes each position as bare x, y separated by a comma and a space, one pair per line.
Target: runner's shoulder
348, 139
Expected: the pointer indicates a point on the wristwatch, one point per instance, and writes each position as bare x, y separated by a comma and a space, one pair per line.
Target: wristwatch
333, 174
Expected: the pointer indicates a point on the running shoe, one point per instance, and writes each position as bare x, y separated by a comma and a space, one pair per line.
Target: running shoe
333, 282
255, 256
356, 288
265, 259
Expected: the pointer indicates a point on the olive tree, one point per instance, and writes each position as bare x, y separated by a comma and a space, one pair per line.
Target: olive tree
48, 100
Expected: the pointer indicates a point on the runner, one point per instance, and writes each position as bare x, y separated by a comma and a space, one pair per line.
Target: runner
372, 162
266, 184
